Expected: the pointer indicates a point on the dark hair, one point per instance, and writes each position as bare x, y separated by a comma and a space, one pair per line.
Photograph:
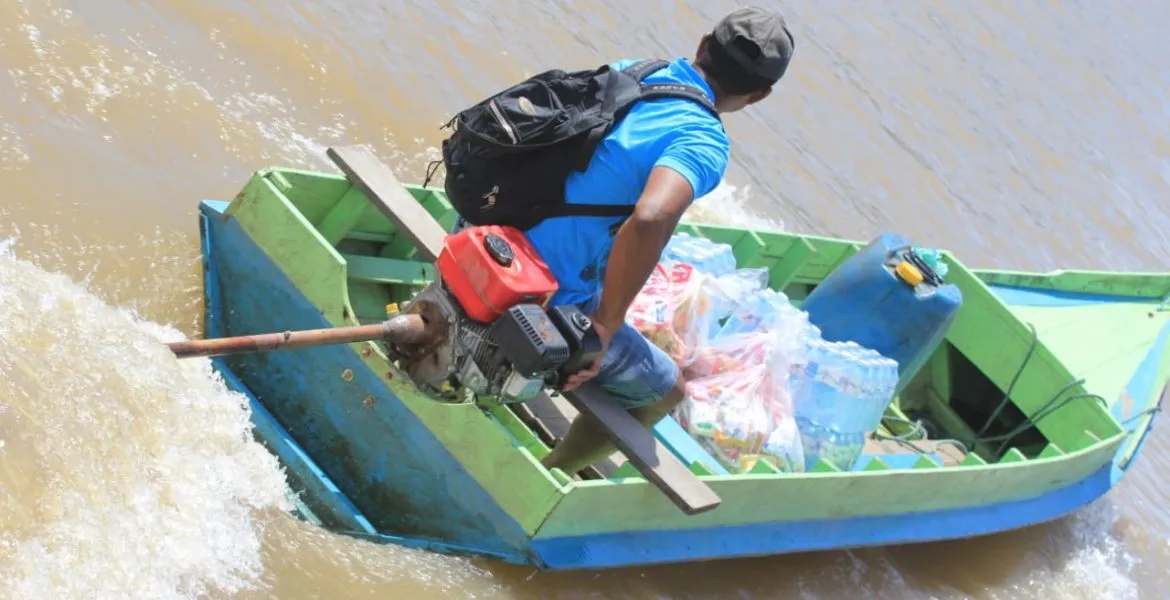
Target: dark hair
727, 74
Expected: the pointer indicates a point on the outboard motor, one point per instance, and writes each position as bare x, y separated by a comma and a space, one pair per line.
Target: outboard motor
484, 324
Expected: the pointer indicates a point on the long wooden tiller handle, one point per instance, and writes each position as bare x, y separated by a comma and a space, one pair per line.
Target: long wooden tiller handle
401, 330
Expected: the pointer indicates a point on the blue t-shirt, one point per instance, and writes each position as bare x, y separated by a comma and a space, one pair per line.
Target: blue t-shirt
671, 132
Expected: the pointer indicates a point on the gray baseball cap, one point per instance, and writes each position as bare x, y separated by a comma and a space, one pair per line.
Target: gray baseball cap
758, 41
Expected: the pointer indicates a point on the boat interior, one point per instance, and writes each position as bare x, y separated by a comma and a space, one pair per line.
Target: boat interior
992, 392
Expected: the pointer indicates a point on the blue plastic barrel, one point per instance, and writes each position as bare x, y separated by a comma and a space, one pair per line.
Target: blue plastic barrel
903, 312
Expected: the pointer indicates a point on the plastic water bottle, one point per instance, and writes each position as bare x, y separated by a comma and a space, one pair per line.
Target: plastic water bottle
887, 383
705, 255
884, 387
723, 262
871, 393
804, 398
853, 388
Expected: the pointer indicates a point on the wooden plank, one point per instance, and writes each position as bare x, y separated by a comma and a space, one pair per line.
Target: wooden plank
363, 168
656, 463
948, 453
388, 270
343, 216
785, 270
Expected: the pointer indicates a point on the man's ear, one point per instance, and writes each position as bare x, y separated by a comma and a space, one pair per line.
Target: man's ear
757, 96
702, 49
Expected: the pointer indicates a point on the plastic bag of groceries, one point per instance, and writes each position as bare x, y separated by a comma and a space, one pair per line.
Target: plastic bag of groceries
680, 308
739, 404
671, 310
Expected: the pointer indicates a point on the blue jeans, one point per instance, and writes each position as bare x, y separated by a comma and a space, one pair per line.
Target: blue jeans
634, 371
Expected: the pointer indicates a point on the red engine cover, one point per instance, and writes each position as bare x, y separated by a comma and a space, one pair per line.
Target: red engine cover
491, 268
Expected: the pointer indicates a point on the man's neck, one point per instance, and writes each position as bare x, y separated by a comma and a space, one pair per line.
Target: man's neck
710, 83
715, 91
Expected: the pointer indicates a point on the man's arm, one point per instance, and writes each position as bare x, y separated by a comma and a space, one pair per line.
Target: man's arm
639, 243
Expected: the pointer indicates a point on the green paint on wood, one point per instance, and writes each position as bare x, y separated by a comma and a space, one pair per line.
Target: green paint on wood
561, 477
389, 270
1051, 451
638, 505
824, 466
763, 467
925, 462
510, 474
276, 225
972, 460
993, 339
785, 270
339, 221
876, 464
1123, 333
524, 436
627, 470
1013, 455
698, 468
1135, 285
1086, 440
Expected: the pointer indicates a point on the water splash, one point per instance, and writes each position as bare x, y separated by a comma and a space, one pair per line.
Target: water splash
128, 473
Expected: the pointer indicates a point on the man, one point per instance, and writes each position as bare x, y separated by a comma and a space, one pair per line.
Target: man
660, 157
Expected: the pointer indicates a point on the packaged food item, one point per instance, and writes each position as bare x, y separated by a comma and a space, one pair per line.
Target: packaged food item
671, 310
681, 308
738, 404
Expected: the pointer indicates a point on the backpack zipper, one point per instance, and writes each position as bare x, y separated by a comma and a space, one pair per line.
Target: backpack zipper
503, 122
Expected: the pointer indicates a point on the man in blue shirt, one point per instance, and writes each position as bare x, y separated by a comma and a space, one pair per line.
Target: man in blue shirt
665, 153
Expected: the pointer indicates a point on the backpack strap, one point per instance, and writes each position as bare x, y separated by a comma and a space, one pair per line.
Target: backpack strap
643, 68
653, 91
613, 107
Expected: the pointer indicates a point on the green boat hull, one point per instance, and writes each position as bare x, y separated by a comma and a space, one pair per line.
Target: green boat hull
372, 457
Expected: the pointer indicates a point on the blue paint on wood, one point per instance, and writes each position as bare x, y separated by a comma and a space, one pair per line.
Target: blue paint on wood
1022, 296
1141, 394
649, 547
382, 458
904, 460
684, 446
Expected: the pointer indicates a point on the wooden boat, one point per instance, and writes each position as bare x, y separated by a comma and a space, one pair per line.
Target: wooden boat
1074, 361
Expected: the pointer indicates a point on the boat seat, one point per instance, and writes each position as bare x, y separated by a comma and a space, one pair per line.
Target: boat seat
388, 270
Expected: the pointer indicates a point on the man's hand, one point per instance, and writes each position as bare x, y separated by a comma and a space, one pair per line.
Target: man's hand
580, 377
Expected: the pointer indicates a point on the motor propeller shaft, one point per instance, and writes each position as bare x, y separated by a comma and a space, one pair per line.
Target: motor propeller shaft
402, 330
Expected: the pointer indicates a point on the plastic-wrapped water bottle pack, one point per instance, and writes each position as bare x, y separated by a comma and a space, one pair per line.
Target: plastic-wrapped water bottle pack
762, 383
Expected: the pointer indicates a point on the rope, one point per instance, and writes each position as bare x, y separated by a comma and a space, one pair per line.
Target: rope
1054, 404
1047, 409
916, 429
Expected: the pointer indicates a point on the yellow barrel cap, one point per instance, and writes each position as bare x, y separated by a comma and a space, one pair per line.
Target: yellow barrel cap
909, 273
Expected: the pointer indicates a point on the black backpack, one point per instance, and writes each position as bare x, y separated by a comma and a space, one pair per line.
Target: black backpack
508, 156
